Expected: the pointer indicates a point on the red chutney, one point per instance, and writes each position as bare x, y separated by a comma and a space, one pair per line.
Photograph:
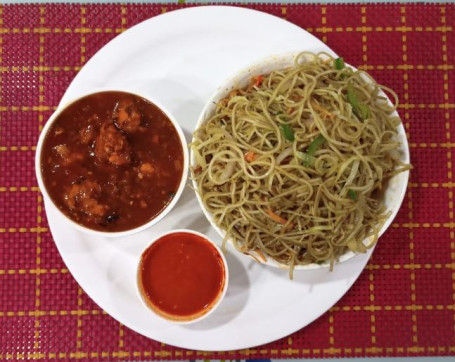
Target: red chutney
112, 161
181, 276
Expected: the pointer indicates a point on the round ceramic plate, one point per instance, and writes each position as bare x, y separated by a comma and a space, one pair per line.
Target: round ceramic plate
180, 58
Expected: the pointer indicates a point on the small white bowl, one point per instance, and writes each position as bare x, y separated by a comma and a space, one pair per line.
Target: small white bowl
142, 227
396, 189
197, 316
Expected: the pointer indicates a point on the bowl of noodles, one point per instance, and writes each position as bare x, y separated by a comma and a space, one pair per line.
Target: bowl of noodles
300, 161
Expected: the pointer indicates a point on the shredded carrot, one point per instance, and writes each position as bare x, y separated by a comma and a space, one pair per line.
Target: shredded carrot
275, 217
321, 109
279, 219
259, 80
261, 255
233, 93
250, 156
222, 102
197, 170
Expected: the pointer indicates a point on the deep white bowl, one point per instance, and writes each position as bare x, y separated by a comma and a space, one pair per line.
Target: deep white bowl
142, 227
396, 188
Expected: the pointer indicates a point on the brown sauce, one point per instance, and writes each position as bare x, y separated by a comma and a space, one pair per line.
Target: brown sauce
112, 161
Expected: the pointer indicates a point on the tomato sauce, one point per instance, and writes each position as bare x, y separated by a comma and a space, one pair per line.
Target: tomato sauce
112, 161
181, 275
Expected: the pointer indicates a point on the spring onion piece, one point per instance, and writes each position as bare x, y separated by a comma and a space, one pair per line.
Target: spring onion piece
308, 156
339, 63
352, 194
352, 97
287, 132
361, 110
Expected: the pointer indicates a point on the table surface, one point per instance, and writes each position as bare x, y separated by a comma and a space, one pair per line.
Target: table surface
402, 304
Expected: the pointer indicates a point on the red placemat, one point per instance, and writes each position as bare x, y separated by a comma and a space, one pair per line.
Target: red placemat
402, 304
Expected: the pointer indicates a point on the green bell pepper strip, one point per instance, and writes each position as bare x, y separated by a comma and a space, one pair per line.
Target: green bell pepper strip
288, 132
308, 156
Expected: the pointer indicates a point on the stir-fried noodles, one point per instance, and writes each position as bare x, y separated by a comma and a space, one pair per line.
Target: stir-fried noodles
293, 166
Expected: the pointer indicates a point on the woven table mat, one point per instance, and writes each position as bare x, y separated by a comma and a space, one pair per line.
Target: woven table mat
403, 302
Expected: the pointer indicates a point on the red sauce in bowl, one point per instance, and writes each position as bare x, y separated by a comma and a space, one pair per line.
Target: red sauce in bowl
181, 276
112, 161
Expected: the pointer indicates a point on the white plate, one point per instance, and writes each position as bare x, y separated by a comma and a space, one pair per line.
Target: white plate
180, 58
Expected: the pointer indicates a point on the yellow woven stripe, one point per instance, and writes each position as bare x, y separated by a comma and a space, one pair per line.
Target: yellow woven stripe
82, 60
411, 266
33, 271
123, 10
79, 345
18, 148
411, 145
409, 194
363, 11
76, 68
39, 108
372, 310
432, 184
388, 308
368, 267
449, 152
45, 30
407, 67
36, 344
370, 29
331, 328
247, 352
364, 28
432, 145
40, 68
1, 58
354, 308
407, 225
51, 313
18, 188
322, 29
42, 108
38, 229
412, 225
83, 40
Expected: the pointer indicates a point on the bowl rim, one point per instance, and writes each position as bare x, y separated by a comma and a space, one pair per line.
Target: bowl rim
113, 234
283, 60
220, 295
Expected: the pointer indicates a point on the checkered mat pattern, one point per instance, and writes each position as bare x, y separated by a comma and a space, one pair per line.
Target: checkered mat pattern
403, 302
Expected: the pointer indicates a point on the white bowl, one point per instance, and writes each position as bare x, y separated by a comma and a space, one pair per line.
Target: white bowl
142, 227
212, 308
396, 189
